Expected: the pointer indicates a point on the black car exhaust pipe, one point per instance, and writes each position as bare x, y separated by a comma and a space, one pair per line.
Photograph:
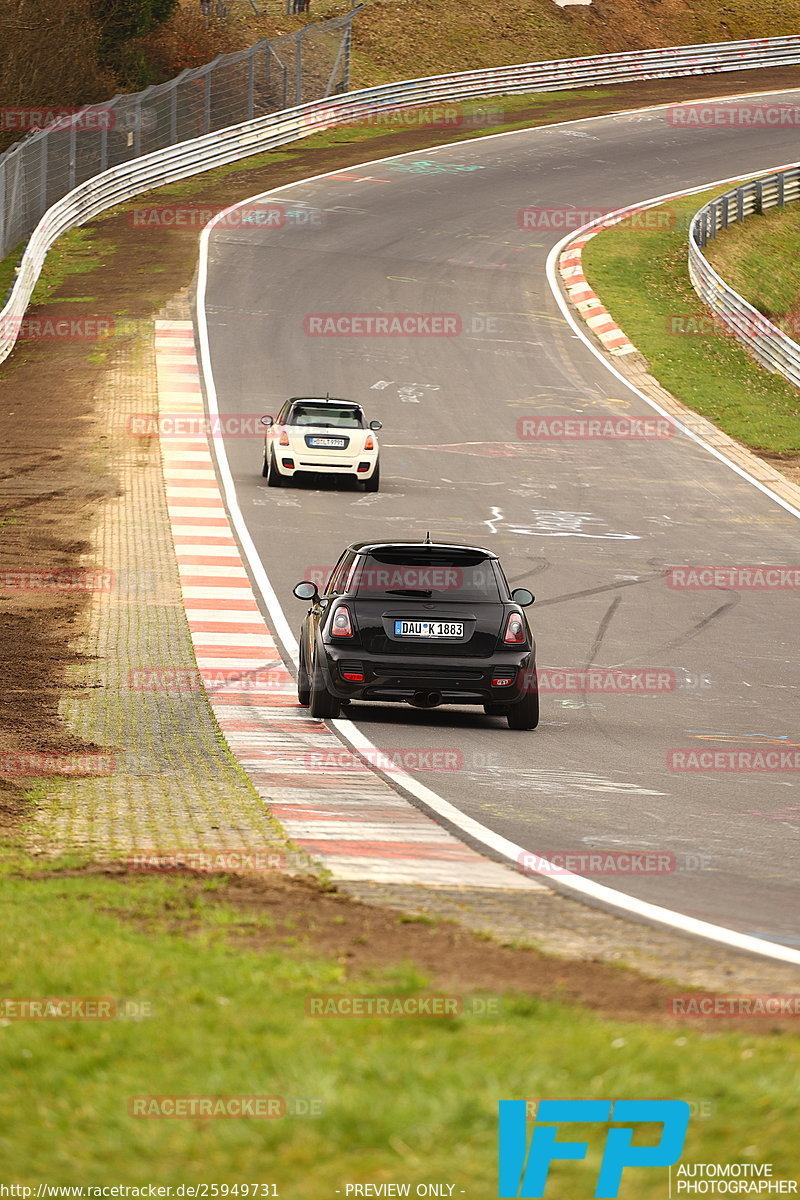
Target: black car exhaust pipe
426, 699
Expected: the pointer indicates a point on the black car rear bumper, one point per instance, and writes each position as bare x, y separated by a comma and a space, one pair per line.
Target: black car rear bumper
457, 681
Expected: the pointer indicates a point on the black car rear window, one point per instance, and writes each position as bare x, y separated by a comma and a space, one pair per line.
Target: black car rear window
410, 574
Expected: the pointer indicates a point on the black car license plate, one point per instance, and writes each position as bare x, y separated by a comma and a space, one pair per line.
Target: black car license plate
429, 629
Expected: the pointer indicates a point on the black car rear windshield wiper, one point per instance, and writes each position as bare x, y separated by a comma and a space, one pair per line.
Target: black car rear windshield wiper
411, 592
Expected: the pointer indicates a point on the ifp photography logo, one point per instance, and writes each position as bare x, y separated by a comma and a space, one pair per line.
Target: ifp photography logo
524, 1167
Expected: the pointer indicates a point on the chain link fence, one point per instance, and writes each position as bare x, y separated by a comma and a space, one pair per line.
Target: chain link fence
274, 74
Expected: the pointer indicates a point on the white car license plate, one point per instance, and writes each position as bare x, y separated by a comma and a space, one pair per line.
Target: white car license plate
429, 629
331, 443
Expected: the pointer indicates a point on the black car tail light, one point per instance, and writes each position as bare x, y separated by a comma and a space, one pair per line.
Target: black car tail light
341, 625
351, 673
515, 630
504, 680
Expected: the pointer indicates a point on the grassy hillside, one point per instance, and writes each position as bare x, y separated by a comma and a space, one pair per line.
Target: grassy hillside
397, 39
759, 258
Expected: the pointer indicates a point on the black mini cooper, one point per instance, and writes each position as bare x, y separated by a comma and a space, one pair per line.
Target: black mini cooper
420, 622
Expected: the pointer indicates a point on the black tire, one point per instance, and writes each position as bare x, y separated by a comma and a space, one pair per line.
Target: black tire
321, 702
374, 482
273, 475
303, 683
495, 710
525, 713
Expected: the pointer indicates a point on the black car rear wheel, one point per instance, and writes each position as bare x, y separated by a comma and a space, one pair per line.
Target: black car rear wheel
322, 703
303, 682
525, 713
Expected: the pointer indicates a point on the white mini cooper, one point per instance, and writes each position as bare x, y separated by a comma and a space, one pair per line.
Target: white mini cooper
326, 435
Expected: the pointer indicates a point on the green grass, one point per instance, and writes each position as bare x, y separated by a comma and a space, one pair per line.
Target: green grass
642, 278
759, 258
78, 252
403, 1099
7, 269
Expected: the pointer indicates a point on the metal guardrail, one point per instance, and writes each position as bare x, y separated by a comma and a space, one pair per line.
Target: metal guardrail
64, 150
765, 340
179, 161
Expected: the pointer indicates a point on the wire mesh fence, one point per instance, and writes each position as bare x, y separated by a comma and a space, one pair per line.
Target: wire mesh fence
62, 150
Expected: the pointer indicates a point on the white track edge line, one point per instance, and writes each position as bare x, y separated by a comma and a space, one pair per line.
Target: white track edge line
566, 308
509, 851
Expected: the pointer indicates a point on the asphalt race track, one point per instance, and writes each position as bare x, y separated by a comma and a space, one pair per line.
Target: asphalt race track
590, 526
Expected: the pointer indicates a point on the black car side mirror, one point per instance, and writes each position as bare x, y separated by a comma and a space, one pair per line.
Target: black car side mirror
522, 597
267, 421
306, 590
376, 425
